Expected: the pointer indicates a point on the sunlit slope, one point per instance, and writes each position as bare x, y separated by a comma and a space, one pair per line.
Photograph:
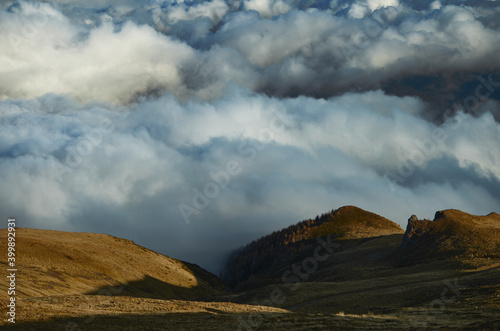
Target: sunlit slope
58, 263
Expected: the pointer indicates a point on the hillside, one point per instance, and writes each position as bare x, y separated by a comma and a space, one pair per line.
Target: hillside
88, 281
284, 246
61, 263
350, 279
441, 273
452, 234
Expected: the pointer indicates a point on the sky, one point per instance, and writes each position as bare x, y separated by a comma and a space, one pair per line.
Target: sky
195, 127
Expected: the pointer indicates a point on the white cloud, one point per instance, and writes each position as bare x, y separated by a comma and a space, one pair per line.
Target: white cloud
298, 157
116, 112
207, 45
268, 8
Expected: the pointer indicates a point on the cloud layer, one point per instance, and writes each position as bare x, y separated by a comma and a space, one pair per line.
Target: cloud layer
194, 127
281, 48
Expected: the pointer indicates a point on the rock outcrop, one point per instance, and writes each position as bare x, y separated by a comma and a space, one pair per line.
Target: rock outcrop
453, 233
415, 230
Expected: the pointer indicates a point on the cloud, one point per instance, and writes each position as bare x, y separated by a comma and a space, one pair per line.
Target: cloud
125, 171
195, 127
105, 65
115, 54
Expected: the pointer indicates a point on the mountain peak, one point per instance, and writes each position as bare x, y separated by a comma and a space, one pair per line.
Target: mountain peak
452, 233
347, 222
351, 222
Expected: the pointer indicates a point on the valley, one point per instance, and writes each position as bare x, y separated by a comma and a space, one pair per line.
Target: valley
348, 269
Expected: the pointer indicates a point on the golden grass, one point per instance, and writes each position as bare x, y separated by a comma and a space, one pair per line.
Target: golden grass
59, 263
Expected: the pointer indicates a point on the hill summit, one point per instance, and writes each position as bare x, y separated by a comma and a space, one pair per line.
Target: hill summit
361, 279
452, 233
280, 247
350, 222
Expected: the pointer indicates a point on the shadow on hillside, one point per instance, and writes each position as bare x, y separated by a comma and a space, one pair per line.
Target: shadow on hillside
350, 259
238, 321
168, 321
208, 287
150, 287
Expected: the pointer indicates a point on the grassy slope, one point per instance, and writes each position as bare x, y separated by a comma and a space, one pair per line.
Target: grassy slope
359, 286
287, 245
449, 287
57, 263
452, 234
351, 222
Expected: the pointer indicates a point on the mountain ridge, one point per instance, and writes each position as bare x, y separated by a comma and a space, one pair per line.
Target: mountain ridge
452, 233
99, 282
344, 223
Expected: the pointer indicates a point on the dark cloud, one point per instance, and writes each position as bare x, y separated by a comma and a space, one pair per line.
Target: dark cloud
281, 48
91, 167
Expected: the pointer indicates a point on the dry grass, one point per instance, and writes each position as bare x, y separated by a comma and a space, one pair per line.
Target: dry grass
59, 263
359, 287
350, 222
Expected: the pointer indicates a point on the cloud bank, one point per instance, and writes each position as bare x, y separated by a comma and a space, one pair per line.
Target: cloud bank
193, 127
